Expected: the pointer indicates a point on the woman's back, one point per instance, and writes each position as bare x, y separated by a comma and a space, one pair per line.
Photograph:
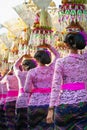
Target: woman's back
73, 69
40, 77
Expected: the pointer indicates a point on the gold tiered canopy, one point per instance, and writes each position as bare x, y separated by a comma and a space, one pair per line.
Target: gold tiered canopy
15, 32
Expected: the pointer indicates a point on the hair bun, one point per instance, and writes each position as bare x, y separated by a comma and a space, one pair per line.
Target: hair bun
75, 41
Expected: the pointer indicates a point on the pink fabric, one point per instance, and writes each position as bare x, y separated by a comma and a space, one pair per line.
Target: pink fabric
12, 82
70, 69
38, 78
73, 86
4, 95
0, 95
12, 86
22, 99
21, 90
12, 93
41, 90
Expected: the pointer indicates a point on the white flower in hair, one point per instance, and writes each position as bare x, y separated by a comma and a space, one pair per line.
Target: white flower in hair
74, 45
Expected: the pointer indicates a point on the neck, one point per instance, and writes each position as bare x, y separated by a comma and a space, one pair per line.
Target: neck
74, 51
41, 64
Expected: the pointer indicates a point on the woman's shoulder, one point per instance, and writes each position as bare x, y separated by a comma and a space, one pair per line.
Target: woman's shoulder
62, 59
65, 61
85, 55
32, 71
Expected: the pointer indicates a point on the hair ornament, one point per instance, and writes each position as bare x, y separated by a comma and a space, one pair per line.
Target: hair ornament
74, 45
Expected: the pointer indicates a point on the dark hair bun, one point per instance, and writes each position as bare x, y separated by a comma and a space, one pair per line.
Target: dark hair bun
43, 56
29, 63
75, 41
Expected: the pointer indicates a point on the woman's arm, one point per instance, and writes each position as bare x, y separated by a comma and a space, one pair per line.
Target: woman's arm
19, 61
17, 64
55, 54
54, 51
56, 83
4, 79
55, 92
29, 82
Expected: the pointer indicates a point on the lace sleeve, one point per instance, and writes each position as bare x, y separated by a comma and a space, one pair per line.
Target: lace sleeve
56, 83
28, 83
56, 55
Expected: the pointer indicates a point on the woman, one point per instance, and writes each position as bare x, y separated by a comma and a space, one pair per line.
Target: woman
69, 88
22, 99
12, 93
1, 107
38, 85
3, 95
3, 122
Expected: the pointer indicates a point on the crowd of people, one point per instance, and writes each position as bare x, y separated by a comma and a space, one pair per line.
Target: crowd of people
46, 92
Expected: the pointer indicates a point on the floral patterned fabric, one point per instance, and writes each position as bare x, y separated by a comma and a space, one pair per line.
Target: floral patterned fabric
22, 99
70, 69
0, 92
4, 93
40, 77
12, 85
